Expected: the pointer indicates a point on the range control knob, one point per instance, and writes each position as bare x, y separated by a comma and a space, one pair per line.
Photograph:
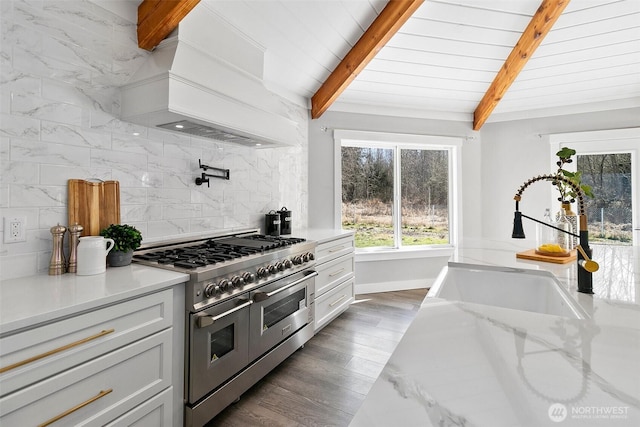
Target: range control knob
287, 263
224, 285
311, 256
280, 265
237, 281
273, 269
262, 272
211, 289
305, 257
297, 259
249, 277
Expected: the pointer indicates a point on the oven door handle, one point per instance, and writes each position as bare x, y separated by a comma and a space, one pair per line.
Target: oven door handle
261, 296
204, 321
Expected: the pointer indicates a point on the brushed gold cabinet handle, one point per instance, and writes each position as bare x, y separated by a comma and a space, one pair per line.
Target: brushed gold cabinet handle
337, 301
100, 395
56, 350
336, 272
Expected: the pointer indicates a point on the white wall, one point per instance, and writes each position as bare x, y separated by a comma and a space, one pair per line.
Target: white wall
513, 152
61, 63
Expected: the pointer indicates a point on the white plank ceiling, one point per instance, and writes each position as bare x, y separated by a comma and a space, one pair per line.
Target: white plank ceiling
445, 57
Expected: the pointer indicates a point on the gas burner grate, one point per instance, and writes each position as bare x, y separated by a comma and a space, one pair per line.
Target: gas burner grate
191, 263
282, 241
199, 255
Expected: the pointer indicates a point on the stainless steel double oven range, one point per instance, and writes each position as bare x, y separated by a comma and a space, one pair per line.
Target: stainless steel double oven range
249, 306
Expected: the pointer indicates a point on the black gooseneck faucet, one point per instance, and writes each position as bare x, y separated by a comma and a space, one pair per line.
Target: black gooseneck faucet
586, 266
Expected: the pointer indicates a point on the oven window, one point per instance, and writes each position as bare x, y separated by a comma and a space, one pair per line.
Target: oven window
280, 309
222, 342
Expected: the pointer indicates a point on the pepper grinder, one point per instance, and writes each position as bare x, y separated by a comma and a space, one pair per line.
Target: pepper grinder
57, 263
74, 237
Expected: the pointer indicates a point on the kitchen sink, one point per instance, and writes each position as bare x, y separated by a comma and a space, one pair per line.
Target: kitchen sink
518, 289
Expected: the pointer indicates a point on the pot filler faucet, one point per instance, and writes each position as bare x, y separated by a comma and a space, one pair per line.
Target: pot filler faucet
586, 267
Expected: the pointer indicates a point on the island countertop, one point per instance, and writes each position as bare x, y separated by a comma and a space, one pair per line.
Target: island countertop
479, 365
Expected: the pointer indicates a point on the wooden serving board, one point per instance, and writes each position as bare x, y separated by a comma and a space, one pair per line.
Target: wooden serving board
93, 204
532, 255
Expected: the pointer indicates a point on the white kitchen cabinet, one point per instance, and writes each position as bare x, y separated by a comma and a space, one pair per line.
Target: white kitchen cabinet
335, 265
94, 367
155, 412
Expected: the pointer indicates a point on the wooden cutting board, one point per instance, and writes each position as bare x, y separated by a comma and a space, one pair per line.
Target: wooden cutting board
93, 204
532, 255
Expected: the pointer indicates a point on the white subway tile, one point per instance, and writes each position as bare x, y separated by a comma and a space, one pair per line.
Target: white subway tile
47, 152
37, 195
74, 135
167, 228
19, 127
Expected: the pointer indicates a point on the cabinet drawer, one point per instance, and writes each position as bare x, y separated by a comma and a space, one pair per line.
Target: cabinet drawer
333, 272
334, 302
109, 386
155, 412
52, 348
334, 249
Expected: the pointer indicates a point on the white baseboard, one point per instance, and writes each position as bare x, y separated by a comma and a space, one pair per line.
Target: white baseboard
368, 288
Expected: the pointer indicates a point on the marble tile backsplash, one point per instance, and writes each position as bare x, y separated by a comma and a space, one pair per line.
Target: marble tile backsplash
61, 64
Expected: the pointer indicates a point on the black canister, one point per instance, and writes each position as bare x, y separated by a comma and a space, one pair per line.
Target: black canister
285, 221
272, 223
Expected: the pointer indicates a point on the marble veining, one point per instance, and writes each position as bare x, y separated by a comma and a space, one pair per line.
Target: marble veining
407, 388
461, 363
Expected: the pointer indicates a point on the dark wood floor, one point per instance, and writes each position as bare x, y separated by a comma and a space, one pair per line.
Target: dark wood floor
324, 383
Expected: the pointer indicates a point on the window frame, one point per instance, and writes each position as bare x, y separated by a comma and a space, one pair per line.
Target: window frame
404, 141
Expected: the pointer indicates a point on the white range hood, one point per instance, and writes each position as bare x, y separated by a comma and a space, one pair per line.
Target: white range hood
205, 79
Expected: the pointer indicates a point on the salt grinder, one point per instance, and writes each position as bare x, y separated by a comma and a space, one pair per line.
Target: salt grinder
74, 237
57, 265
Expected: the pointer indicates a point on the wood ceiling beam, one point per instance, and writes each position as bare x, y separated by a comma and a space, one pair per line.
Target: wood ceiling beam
157, 18
392, 17
539, 26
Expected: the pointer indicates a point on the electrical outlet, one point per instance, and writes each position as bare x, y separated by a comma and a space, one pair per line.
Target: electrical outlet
15, 229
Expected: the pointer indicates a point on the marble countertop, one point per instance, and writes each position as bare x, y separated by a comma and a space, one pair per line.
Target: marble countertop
478, 365
31, 300
322, 235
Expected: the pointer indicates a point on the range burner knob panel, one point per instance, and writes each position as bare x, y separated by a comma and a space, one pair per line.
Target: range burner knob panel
280, 266
311, 256
297, 259
262, 272
211, 289
249, 277
237, 281
287, 263
273, 269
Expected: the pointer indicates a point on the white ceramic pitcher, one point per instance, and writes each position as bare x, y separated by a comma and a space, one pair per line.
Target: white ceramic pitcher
92, 255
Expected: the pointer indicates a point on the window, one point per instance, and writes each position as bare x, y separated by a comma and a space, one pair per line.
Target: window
608, 161
397, 194
610, 210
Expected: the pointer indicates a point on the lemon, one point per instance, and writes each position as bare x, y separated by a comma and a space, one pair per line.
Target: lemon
551, 247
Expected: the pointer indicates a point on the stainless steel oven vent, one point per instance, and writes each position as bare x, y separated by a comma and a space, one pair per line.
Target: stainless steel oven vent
197, 129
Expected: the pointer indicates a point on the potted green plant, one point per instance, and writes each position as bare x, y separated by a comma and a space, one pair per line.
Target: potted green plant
567, 194
126, 239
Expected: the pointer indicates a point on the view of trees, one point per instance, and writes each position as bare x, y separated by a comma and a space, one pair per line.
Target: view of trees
368, 193
610, 211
